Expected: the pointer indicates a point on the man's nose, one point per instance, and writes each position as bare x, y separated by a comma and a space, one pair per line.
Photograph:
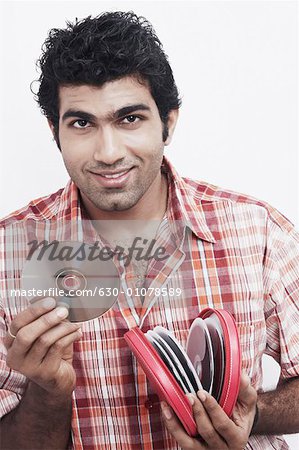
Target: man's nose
108, 147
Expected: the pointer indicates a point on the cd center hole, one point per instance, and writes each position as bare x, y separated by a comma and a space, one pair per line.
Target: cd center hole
71, 282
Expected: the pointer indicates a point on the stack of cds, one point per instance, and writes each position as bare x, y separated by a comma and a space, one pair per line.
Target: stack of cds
211, 362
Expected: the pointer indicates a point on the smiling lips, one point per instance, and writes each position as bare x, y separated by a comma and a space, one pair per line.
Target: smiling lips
112, 179
114, 175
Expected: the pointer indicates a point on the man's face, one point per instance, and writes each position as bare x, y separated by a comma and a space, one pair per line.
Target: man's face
111, 141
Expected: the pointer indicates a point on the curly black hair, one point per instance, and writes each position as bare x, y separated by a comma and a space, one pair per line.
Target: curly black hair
107, 47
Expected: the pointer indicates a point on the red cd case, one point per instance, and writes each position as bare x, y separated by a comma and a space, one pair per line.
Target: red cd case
216, 363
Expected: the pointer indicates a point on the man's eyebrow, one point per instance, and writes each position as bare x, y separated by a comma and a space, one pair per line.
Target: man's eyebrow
130, 109
83, 115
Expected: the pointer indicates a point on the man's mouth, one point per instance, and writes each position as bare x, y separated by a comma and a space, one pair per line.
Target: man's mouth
113, 175
113, 179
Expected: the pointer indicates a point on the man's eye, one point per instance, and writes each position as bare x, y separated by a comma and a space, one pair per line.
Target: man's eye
80, 123
130, 119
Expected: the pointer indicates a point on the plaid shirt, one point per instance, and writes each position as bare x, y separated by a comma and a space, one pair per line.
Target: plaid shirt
226, 251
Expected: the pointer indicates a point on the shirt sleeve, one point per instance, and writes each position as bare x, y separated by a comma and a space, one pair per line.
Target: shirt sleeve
282, 297
12, 383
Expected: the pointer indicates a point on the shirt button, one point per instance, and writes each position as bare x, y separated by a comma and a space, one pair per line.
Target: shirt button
150, 401
139, 282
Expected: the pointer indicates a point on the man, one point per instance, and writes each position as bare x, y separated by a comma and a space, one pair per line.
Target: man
109, 95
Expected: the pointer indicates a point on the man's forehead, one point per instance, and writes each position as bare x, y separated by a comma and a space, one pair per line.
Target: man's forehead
112, 95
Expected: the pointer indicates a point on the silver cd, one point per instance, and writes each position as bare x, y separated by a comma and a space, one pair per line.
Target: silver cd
83, 281
200, 352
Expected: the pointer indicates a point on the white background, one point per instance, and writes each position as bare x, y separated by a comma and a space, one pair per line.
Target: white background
235, 63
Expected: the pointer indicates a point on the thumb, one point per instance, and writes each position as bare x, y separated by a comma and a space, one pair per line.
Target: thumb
247, 394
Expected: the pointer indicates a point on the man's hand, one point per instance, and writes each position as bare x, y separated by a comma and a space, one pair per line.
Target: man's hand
216, 429
43, 347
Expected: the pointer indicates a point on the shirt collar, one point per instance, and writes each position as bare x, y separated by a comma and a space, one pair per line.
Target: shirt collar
183, 210
182, 207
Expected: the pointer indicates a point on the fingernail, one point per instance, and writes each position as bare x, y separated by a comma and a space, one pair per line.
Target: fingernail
202, 395
62, 312
167, 413
48, 302
191, 399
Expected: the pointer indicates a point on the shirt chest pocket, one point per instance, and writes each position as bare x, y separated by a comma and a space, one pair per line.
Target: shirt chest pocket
252, 345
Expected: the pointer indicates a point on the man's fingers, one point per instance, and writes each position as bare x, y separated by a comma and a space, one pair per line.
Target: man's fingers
29, 333
48, 339
205, 426
232, 431
177, 431
27, 362
46, 373
33, 312
52, 359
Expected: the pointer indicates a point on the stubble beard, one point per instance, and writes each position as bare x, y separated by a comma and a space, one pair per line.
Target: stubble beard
106, 199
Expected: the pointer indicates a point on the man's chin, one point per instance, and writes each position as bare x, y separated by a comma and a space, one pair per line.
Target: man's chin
110, 202
116, 205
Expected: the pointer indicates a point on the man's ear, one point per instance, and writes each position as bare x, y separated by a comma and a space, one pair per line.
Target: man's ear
54, 133
171, 124
51, 127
